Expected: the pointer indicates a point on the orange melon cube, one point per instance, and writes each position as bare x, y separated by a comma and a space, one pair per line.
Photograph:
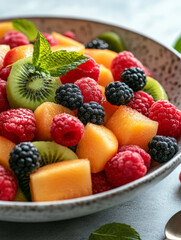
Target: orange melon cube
5, 148
44, 115
62, 180
3, 50
104, 57
79, 49
66, 41
5, 27
131, 127
98, 144
105, 76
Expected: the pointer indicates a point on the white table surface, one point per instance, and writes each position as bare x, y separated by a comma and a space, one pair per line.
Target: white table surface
149, 212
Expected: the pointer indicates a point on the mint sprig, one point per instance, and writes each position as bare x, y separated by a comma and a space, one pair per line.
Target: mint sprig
57, 63
115, 231
26, 27
177, 45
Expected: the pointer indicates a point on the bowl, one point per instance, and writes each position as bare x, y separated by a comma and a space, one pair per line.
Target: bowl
165, 63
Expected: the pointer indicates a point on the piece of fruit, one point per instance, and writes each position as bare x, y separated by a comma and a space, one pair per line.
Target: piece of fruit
71, 35
6, 147
60, 181
20, 197
103, 57
114, 41
79, 49
14, 39
51, 40
18, 53
4, 104
3, 50
105, 76
66, 41
97, 44
100, 183
131, 127
5, 27
28, 90
4, 73
155, 89
98, 144
44, 115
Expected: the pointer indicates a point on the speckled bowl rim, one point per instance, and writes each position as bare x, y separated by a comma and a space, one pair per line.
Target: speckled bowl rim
172, 164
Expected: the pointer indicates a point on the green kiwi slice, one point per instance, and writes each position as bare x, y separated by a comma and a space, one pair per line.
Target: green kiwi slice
28, 88
114, 41
50, 152
155, 89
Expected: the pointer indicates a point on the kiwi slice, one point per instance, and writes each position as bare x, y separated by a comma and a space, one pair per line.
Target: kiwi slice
114, 41
155, 89
50, 152
28, 88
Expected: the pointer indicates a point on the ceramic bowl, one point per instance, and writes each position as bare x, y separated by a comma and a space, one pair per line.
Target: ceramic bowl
165, 63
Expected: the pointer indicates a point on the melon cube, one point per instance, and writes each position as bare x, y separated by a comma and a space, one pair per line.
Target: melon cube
62, 180
6, 147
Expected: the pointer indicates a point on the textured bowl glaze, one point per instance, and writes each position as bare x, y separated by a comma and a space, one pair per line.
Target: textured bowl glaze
165, 63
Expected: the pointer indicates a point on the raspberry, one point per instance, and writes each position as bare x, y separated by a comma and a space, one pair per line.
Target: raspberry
148, 72
180, 176
14, 39
69, 95
162, 148
88, 69
51, 40
135, 78
4, 105
24, 159
4, 73
100, 183
124, 60
71, 35
125, 167
91, 112
97, 44
134, 148
8, 184
168, 117
18, 125
90, 89
142, 102
66, 129
118, 93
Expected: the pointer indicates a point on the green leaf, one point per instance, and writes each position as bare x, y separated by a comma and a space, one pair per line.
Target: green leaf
115, 231
26, 27
61, 62
41, 50
177, 45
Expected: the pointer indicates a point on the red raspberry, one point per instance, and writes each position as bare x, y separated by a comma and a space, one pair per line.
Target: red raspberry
141, 102
168, 117
14, 39
18, 125
66, 129
134, 148
90, 89
125, 167
148, 72
71, 35
52, 41
88, 69
180, 176
100, 183
4, 73
124, 60
8, 184
4, 105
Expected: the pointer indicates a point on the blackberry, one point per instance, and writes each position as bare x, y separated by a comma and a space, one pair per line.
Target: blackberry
162, 148
91, 112
97, 44
24, 159
118, 93
69, 95
134, 77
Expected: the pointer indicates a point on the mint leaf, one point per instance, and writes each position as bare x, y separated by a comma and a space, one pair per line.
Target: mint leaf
26, 27
177, 45
61, 62
41, 50
115, 231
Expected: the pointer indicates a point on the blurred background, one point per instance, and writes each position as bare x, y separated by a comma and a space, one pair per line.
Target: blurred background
159, 19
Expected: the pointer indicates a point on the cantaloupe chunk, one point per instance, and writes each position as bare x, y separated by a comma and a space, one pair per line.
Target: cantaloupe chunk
66, 41
5, 27
3, 50
105, 76
104, 57
79, 49
62, 180
98, 144
44, 115
131, 127
5, 148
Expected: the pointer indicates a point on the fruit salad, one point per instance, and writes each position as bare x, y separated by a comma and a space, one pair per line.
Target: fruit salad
77, 119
